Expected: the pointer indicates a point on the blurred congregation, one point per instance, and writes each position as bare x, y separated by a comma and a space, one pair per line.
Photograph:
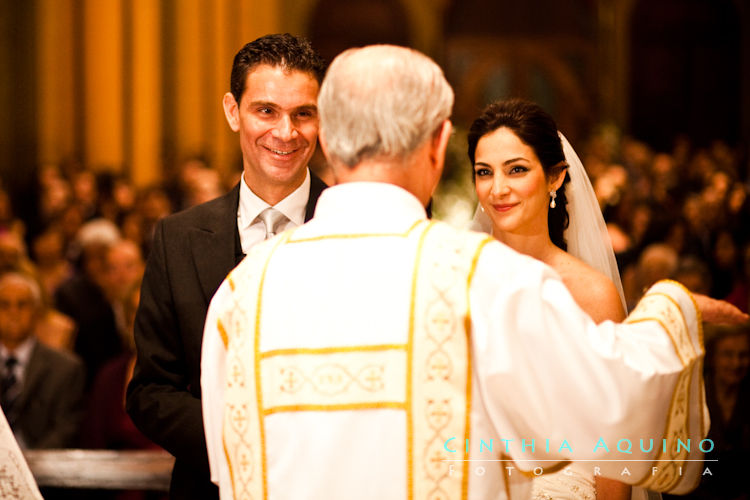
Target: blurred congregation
112, 120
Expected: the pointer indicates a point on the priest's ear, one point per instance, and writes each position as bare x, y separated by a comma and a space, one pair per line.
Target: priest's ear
232, 111
323, 145
439, 144
334, 166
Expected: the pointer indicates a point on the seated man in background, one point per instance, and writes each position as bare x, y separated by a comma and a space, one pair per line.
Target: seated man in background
41, 389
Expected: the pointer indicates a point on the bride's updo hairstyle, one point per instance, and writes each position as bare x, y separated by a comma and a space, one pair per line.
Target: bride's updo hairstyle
538, 130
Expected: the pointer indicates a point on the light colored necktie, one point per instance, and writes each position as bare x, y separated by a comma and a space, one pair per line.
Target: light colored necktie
273, 220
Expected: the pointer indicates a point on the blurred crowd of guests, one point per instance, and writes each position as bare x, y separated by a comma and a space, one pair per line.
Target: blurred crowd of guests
70, 277
685, 215
682, 215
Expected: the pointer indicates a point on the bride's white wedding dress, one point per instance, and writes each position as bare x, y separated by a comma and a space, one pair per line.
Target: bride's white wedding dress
574, 482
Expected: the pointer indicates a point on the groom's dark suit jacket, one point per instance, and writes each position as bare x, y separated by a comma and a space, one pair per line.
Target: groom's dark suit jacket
191, 254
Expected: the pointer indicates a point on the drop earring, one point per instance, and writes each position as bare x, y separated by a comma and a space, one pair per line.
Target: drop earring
552, 196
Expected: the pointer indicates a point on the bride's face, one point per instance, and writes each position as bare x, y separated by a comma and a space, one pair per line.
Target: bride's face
511, 184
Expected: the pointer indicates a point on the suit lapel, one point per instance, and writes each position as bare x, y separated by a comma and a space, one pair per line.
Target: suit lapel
32, 376
212, 243
316, 187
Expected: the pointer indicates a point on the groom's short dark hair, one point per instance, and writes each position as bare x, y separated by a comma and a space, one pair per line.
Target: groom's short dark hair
284, 50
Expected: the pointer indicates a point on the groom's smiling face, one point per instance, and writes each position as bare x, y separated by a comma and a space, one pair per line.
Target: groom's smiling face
277, 121
511, 184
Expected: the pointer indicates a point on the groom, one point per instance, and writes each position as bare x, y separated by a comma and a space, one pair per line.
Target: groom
365, 375
272, 107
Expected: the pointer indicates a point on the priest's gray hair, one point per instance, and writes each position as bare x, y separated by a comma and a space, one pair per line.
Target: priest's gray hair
381, 101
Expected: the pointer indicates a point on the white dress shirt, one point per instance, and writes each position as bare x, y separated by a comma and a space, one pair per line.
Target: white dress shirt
251, 228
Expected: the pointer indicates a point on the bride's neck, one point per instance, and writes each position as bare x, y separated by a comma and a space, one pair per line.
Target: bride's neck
538, 245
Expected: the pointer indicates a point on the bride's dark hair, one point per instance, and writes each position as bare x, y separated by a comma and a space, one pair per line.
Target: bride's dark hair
536, 128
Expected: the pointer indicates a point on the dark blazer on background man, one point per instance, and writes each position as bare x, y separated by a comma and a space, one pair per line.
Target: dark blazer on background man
49, 408
192, 253
97, 339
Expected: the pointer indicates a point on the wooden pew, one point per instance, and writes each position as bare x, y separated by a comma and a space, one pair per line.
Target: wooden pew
101, 469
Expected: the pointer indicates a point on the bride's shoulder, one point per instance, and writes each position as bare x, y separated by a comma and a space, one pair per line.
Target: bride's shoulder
593, 291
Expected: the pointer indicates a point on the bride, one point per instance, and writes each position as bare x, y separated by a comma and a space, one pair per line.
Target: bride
535, 196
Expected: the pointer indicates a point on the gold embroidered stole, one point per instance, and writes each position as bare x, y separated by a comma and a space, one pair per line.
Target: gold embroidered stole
239, 325
671, 460
429, 377
440, 361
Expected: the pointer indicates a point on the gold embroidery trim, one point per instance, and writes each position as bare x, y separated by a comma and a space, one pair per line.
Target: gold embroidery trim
687, 339
359, 235
703, 429
240, 422
378, 405
256, 349
410, 369
440, 344
333, 350
701, 401
672, 432
467, 331
701, 343
366, 377
222, 333
680, 339
698, 314
229, 461
664, 327
677, 425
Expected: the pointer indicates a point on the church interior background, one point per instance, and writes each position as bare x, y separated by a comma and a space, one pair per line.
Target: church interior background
134, 86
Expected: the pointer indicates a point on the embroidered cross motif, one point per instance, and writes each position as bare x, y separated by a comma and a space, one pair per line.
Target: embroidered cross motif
438, 366
373, 378
237, 375
290, 381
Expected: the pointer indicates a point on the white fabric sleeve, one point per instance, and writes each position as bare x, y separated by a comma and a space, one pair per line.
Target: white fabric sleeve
213, 371
547, 371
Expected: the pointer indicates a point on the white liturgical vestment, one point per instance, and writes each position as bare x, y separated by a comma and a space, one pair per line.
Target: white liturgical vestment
373, 354
16, 480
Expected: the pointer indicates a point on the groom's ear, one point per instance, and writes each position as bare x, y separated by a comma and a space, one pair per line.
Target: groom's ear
231, 111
